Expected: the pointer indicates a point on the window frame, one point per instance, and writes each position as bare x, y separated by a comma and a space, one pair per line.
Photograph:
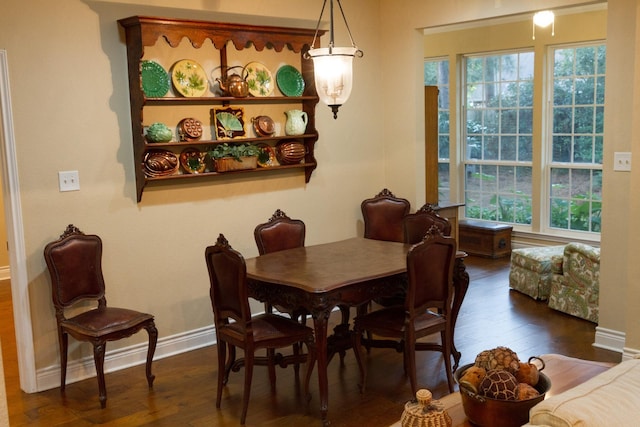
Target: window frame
548, 163
466, 159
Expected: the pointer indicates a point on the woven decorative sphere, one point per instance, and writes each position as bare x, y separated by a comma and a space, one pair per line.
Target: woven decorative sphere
499, 384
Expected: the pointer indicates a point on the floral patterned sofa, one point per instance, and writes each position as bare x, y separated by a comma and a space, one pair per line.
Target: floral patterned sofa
575, 290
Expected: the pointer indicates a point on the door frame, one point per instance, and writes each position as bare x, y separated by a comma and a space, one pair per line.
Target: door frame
15, 236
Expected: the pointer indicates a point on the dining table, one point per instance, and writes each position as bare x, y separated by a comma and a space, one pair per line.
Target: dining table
349, 272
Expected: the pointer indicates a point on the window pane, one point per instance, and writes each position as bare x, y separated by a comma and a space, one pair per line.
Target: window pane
598, 150
508, 148
583, 152
585, 61
475, 70
525, 149
585, 90
490, 148
443, 182
561, 149
560, 182
562, 120
563, 92
508, 121
525, 93
583, 119
563, 62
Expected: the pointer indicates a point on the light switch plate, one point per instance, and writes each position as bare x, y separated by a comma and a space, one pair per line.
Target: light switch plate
68, 181
621, 161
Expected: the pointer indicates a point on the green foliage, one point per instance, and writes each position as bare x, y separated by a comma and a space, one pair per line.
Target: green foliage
234, 150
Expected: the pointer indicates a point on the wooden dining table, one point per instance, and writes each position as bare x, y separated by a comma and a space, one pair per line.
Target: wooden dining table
318, 278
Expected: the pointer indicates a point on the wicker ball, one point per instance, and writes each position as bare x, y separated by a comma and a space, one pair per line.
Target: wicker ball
499, 384
526, 391
498, 358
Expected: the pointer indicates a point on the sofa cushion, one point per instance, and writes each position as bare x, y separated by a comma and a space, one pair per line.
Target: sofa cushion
612, 398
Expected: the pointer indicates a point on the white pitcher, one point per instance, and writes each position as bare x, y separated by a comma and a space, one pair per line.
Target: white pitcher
296, 122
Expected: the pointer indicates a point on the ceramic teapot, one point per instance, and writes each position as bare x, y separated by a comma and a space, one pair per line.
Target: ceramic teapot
296, 123
234, 85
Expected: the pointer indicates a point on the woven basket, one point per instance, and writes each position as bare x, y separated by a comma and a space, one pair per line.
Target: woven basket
227, 164
425, 412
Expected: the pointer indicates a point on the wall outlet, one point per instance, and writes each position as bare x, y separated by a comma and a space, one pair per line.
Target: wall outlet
68, 181
621, 161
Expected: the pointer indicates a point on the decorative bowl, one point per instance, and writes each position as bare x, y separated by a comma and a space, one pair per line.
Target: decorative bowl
190, 129
290, 152
487, 412
160, 163
264, 125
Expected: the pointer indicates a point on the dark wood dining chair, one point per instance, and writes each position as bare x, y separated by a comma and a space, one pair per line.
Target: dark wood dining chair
426, 309
383, 215
279, 233
75, 266
417, 224
236, 328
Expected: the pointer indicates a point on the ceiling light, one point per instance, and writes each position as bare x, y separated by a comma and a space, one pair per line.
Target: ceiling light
543, 19
333, 66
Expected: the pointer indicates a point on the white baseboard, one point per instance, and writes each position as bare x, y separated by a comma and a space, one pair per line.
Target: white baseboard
5, 273
49, 377
630, 353
609, 339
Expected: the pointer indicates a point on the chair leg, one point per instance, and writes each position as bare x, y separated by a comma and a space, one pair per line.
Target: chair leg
248, 375
63, 340
271, 366
446, 350
410, 362
153, 340
99, 349
223, 374
356, 344
230, 362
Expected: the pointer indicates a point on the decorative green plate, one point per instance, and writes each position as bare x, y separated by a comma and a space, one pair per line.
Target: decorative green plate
189, 78
290, 81
155, 80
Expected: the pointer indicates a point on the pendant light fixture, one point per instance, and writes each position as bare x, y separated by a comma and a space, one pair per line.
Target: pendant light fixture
333, 66
543, 19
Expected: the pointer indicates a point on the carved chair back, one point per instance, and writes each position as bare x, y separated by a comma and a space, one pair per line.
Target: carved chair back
416, 225
383, 215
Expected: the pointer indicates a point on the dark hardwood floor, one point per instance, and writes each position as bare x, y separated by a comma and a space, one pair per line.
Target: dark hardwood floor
185, 386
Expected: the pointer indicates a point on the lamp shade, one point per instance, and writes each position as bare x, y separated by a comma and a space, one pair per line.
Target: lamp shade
333, 67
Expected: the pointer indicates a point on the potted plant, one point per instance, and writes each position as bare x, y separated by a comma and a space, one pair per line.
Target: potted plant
228, 157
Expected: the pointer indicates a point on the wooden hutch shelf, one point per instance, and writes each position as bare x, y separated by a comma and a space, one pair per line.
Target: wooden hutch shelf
164, 35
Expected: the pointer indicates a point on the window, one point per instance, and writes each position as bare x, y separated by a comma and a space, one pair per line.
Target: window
436, 73
499, 125
498, 139
577, 117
